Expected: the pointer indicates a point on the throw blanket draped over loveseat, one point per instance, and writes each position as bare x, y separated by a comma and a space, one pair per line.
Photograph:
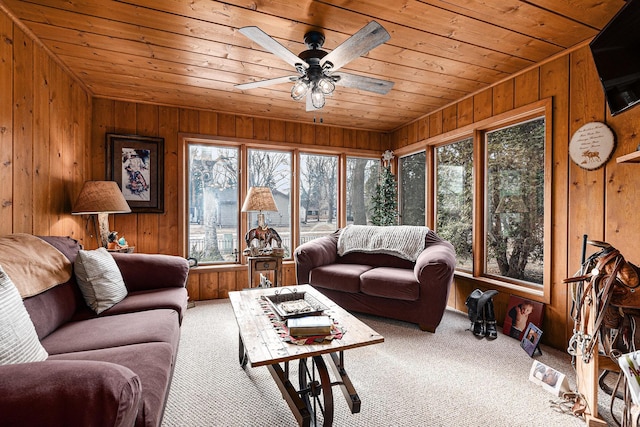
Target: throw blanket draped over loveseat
403, 241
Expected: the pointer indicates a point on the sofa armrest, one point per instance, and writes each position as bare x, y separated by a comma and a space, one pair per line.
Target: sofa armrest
68, 393
436, 264
317, 252
142, 272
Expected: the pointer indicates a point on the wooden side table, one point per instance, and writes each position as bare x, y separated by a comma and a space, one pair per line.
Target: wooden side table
259, 264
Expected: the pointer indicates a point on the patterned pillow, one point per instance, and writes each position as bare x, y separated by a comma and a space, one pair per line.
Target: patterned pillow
99, 279
18, 338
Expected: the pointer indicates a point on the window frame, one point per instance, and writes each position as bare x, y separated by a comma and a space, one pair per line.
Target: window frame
243, 145
542, 108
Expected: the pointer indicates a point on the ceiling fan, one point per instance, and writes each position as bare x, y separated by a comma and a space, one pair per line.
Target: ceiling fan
317, 76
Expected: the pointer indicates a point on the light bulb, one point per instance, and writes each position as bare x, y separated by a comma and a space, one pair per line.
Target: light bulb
326, 86
299, 89
317, 97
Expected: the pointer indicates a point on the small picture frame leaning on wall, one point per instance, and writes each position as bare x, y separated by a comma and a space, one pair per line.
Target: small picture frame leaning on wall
531, 340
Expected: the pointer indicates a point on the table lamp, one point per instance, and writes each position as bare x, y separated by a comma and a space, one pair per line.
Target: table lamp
259, 199
101, 198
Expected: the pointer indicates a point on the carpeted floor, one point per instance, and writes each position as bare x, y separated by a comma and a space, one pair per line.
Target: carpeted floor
414, 378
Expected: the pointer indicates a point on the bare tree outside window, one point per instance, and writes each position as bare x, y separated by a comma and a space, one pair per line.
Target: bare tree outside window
318, 195
213, 203
454, 198
412, 189
515, 201
362, 176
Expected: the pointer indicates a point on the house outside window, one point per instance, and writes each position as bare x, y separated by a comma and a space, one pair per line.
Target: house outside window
212, 226
412, 170
272, 168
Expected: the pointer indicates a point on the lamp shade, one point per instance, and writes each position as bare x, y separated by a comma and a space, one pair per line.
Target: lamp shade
100, 197
259, 199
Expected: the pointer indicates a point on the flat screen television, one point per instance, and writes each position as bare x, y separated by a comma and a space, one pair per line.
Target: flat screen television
616, 53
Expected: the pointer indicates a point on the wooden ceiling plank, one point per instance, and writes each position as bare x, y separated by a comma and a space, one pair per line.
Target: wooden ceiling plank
595, 13
97, 67
521, 17
412, 14
413, 91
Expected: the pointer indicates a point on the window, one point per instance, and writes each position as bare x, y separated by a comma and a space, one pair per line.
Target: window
362, 176
213, 203
318, 195
412, 189
454, 198
514, 201
271, 168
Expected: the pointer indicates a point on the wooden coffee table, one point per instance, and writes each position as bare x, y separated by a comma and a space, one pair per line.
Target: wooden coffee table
261, 345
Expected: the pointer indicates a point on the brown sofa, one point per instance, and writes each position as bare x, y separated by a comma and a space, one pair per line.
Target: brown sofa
111, 369
380, 283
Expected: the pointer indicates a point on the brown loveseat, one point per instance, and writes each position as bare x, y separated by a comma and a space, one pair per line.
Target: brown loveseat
107, 369
381, 283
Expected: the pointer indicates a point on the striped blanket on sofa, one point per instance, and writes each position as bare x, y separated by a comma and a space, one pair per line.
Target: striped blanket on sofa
403, 241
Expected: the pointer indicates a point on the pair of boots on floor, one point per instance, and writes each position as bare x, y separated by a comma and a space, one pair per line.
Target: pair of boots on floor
482, 314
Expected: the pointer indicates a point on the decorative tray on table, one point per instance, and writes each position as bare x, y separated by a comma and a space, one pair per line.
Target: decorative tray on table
294, 304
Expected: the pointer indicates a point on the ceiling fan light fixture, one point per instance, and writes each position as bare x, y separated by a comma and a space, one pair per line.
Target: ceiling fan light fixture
326, 85
299, 89
317, 97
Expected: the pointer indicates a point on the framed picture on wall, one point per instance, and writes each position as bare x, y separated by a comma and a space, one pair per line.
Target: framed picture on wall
520, 312
136, 163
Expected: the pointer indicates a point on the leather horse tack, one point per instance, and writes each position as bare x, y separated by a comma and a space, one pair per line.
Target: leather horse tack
615, 283
614, 291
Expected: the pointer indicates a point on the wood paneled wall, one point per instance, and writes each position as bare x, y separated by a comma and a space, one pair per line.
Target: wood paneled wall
602, 204
52, 140
152, 233
45, 122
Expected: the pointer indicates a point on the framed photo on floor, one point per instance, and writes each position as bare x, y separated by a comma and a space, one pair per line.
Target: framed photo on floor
136, 163
531, 339
520, 312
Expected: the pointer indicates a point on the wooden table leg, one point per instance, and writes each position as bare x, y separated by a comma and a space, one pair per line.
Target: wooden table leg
242, 354
289, 393
349, 391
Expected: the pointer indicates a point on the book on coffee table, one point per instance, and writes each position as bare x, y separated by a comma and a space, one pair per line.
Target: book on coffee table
309, 326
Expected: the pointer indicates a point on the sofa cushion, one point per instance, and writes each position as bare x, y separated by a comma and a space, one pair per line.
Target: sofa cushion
152, 362
386, 282
341, 277
99, 279
18, 338
111, 331
171, 298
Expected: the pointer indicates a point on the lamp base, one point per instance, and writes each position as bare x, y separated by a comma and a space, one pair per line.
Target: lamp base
103, 225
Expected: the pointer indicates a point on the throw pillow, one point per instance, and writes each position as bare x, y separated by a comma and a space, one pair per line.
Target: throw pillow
18, 338
99, 279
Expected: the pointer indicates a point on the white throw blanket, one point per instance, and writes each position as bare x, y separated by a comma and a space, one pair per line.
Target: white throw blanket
403, 241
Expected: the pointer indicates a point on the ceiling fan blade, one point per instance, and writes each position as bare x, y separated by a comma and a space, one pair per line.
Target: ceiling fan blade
368, 37
263, 83
369, 84
270, 44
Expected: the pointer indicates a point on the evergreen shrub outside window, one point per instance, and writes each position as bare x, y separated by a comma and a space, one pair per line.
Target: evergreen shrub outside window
454, 198
514, 235
412, 189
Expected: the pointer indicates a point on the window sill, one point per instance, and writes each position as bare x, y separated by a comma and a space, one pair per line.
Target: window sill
507, 287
